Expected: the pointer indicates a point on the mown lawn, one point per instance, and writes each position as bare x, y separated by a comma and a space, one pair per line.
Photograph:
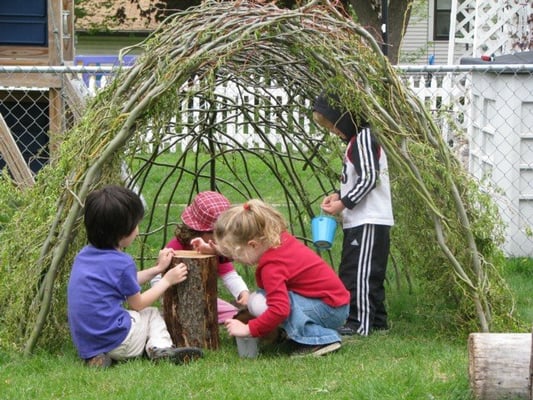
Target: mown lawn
412, 361
409, 362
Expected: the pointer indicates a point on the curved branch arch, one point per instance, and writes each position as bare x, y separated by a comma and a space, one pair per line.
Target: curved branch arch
303, 52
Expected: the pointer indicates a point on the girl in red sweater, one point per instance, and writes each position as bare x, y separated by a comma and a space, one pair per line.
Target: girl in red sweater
298, 290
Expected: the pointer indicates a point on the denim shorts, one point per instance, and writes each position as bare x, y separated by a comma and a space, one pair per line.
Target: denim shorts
312, 321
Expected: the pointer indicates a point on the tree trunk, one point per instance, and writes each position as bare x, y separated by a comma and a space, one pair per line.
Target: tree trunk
190, 307
398, 14
499, 365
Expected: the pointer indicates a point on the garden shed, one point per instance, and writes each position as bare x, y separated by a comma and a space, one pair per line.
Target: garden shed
501, 144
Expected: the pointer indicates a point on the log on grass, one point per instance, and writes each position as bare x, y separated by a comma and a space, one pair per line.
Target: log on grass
499, 365
190, 307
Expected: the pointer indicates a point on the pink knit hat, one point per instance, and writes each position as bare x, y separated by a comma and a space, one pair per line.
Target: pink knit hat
204, 211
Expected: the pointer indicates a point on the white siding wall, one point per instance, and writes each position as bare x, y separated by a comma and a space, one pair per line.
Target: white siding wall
415, 47
418, 44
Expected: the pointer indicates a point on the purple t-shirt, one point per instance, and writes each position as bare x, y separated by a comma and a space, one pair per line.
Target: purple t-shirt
100, 282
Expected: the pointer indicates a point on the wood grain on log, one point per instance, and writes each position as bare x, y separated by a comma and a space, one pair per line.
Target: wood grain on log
190, 307
499, 365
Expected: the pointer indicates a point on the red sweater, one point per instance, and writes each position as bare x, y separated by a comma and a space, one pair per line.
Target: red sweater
293, 267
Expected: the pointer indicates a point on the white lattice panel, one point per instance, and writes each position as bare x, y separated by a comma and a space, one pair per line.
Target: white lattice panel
490, 27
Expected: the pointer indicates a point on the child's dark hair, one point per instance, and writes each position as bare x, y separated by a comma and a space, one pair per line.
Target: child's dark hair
111, 213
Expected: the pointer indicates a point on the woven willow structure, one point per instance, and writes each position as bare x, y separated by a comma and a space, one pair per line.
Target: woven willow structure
446, 229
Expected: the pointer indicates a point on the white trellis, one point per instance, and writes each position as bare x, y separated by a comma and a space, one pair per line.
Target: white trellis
490, 27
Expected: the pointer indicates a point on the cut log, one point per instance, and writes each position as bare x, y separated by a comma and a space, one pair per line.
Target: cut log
499, 365
531, 373
190, 307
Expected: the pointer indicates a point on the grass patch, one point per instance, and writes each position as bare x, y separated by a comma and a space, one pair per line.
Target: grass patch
409, 362
414, 360
393, 366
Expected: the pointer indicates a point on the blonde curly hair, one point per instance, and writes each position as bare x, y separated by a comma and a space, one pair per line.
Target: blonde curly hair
253, 220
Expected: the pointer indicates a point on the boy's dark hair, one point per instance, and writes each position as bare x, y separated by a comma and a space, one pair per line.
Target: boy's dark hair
111, 213
329, 106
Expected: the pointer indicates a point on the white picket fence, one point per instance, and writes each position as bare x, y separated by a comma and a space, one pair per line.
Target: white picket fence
440, 93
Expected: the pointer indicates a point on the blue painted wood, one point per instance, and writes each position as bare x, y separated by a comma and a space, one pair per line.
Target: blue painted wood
23, 23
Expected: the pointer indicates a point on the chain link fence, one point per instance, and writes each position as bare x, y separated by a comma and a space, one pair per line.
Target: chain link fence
485, 113
26, 113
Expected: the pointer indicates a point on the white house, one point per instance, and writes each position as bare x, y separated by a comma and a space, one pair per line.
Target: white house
443, 31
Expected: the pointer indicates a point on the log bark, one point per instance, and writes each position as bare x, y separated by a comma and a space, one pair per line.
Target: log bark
499, 365
190, 307
531, 371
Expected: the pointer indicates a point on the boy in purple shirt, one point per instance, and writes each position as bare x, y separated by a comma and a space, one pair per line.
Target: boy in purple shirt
103, 278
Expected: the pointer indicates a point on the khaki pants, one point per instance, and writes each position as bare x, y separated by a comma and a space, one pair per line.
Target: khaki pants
148, 329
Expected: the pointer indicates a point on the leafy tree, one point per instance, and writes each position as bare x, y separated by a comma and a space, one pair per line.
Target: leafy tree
367, 13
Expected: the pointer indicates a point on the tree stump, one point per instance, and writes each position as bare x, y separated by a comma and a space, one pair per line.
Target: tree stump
499, 365
190, 307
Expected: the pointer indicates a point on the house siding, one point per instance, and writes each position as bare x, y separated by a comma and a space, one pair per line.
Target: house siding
418, 44
415, 46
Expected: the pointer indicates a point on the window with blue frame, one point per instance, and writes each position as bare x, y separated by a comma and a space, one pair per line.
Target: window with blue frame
23, 23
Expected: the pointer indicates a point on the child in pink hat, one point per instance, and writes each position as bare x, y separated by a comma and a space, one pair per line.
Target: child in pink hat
198, 221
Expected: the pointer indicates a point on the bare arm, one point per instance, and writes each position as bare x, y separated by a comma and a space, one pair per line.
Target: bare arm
163, 261
145, 299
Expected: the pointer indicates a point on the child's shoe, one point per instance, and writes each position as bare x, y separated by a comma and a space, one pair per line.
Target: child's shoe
347, 330
101, 360
309, 350
178, 355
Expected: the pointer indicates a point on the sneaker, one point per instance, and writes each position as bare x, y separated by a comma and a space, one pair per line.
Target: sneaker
347, 330
306, 350
178, 355
101, 360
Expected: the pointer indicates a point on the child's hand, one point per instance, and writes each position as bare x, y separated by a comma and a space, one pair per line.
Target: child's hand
330, 198
164, 259
177, 274
201, 246
332, 204
237, 328
242, 300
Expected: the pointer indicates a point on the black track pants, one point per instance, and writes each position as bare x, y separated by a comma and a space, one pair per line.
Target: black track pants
365, 252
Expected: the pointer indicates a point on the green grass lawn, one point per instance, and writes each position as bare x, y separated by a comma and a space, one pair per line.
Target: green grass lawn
400, 365
411, 361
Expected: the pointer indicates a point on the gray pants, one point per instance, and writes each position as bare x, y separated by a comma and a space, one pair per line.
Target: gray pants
148, 330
